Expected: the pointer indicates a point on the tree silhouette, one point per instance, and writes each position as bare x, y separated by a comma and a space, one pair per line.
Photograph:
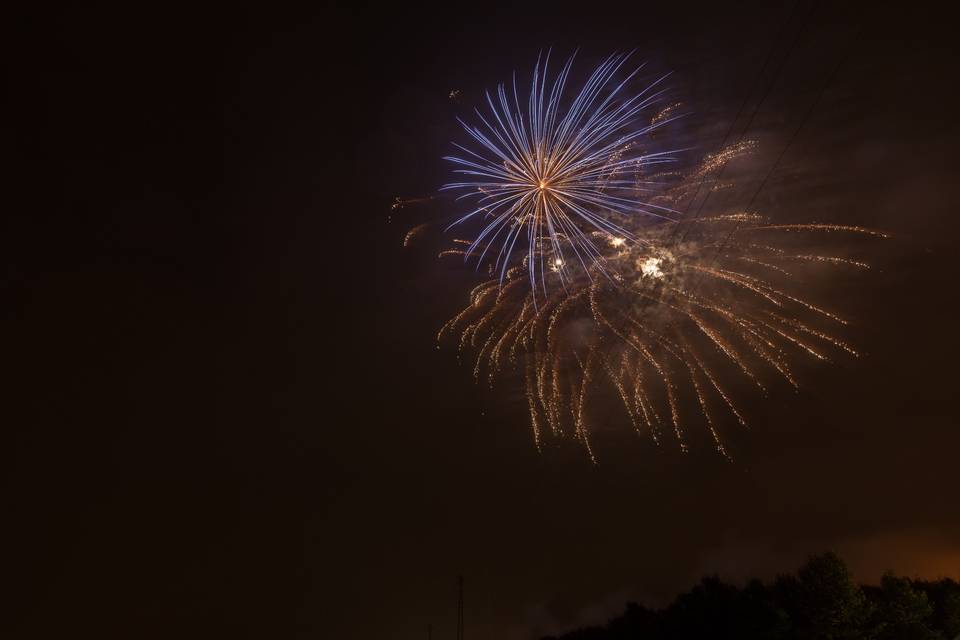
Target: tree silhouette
944, 597
820, 602
902, 612
826, 604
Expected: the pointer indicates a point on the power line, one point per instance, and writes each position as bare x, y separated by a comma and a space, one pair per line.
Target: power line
766, 94
830, 78
746, 97
783, 152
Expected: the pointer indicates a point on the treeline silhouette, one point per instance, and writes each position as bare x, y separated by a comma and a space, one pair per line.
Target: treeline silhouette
820, 602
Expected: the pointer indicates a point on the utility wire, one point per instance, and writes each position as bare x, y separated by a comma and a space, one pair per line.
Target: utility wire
830, 78
746, 98
756, 110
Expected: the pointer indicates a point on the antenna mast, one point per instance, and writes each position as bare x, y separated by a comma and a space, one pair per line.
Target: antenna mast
460, 608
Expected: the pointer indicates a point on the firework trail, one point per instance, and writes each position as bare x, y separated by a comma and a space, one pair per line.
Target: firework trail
673, 314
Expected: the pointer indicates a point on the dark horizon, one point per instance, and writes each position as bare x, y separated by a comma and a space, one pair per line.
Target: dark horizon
818, 600
229, 412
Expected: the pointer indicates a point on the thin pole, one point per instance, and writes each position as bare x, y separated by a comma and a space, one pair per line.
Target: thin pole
460, 608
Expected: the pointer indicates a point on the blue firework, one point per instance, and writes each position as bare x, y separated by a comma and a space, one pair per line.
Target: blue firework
562, 172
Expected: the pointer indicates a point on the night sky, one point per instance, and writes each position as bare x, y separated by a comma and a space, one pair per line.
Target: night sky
226, 412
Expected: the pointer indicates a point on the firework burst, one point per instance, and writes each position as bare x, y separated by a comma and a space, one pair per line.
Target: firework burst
674, 314
556, 171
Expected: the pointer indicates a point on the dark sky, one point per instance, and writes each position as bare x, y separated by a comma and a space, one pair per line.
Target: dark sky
226, 415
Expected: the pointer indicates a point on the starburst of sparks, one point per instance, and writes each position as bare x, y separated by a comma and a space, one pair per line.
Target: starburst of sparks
556, 171
674, 313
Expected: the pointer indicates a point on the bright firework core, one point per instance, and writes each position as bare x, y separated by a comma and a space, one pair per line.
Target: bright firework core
651, 267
